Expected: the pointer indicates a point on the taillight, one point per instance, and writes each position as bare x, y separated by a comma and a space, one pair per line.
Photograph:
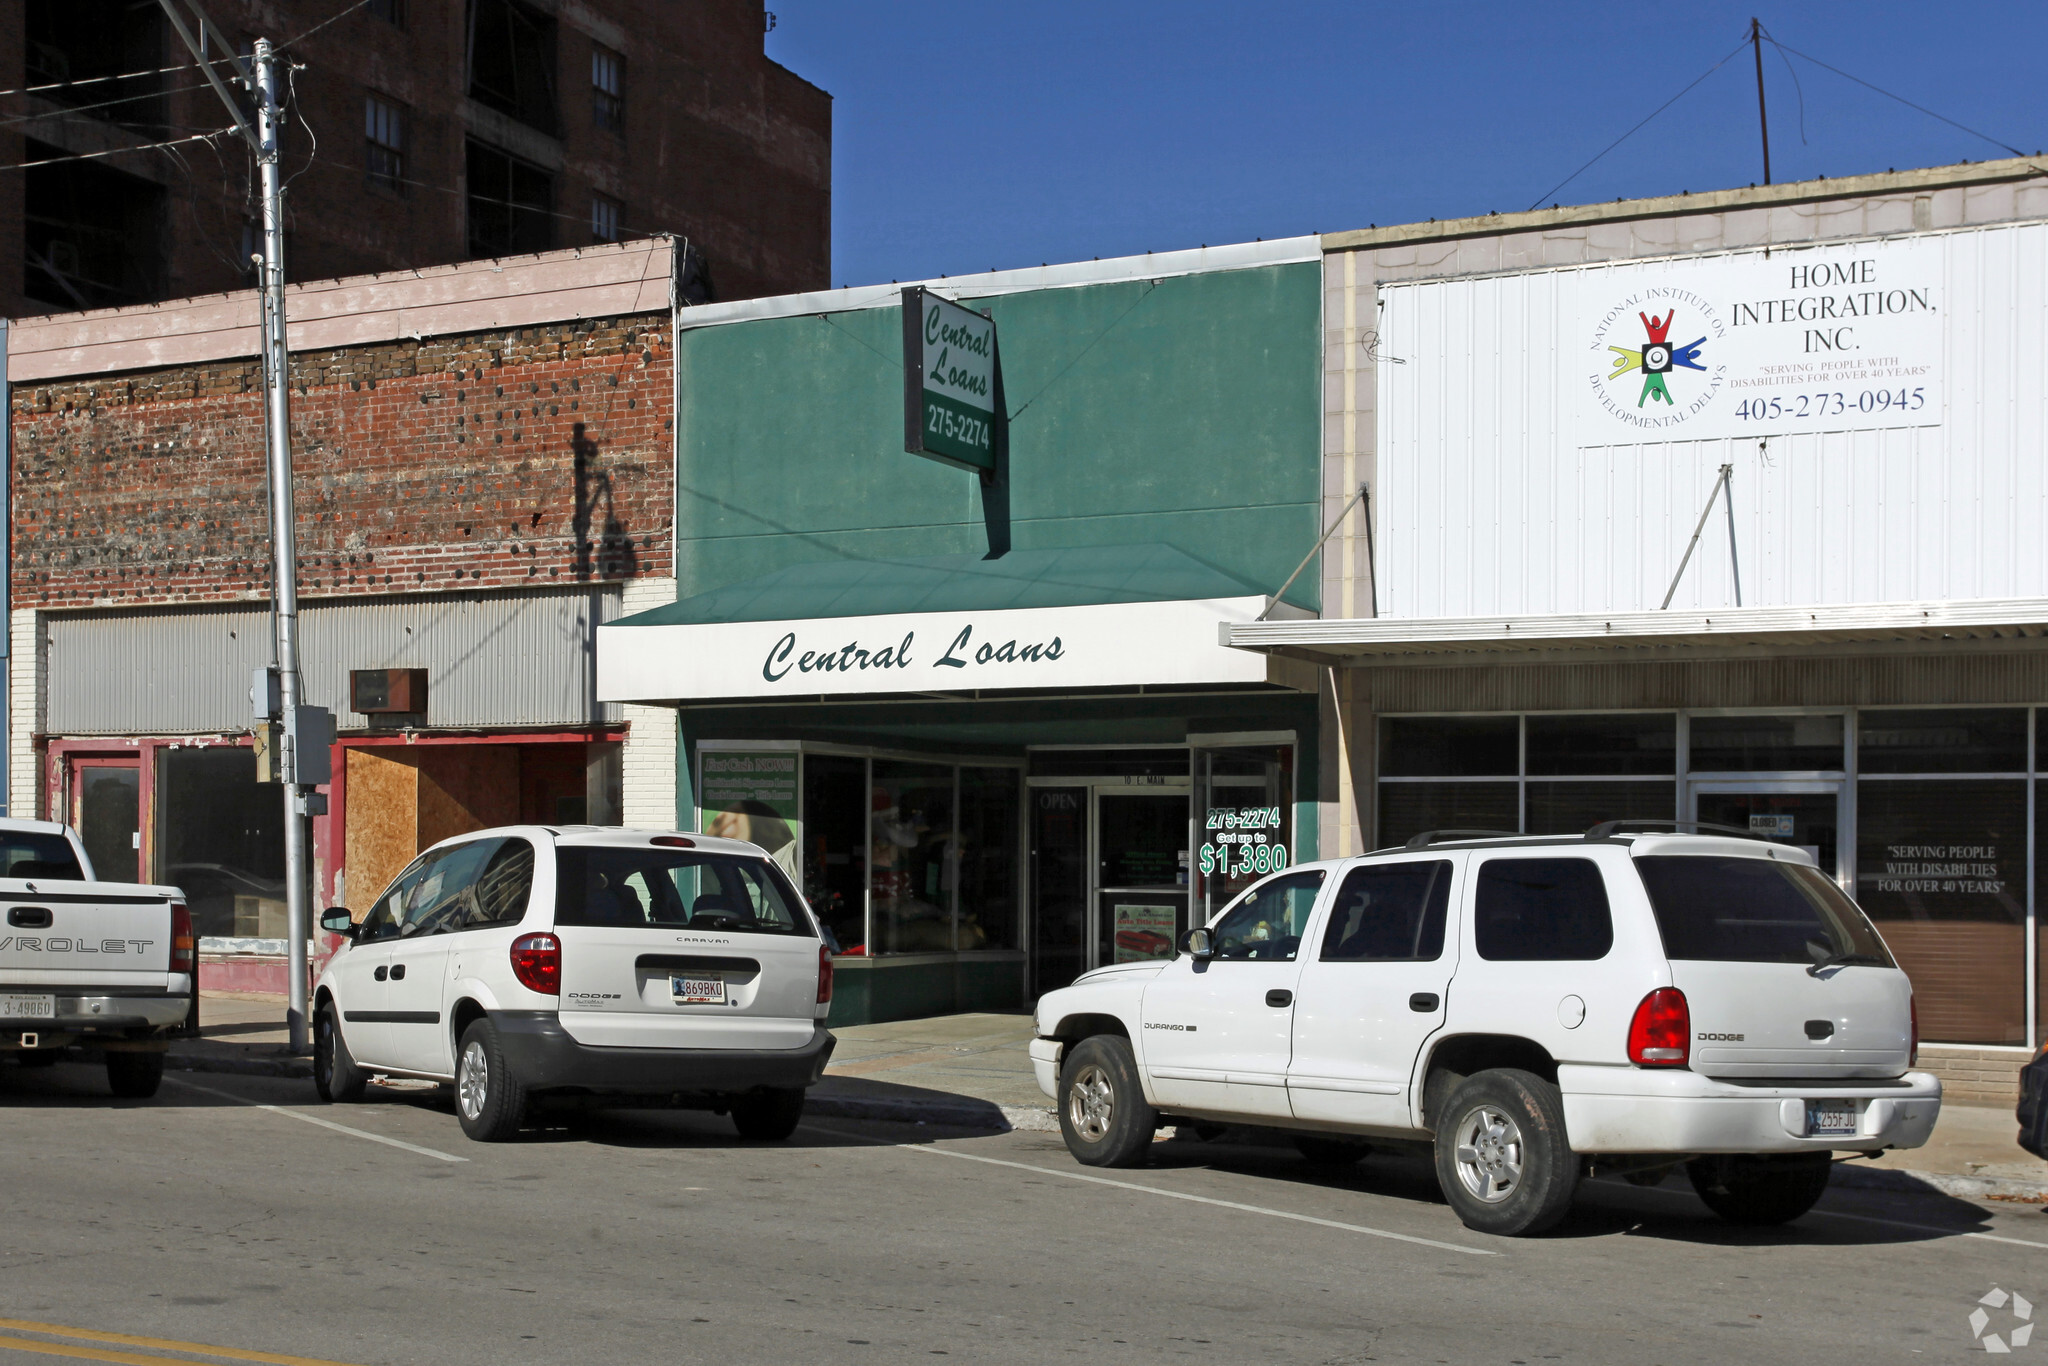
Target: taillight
537, 963
824, 975
1661, 1033
1913, 1048
184, 948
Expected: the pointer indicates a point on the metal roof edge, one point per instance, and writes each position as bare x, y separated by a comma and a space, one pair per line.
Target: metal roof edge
1679, 205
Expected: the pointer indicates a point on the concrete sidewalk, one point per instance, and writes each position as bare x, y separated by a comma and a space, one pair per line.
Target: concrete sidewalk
973, 1071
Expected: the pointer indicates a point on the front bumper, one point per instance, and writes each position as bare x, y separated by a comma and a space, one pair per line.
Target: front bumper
543, 1056
99, 1014
1628, 1110
1045, 1064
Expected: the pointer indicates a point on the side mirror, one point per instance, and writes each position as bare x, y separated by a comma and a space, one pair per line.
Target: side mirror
1198, 945
337, 920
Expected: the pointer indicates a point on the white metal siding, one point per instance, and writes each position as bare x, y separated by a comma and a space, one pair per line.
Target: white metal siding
492, 660
1488, 506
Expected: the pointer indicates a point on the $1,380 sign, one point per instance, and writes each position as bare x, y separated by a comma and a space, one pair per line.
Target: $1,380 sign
949, 382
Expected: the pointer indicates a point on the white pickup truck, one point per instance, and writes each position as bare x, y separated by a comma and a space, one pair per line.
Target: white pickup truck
107, 966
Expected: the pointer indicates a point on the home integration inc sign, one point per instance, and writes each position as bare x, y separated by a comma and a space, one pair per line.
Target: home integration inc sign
949, 382
1756, 344
1103, 645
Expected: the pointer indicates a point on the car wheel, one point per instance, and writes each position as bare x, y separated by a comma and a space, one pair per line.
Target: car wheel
1756, 1189
135, 1076
1501, 1153
768, 1115
1329, 1152
335, 1074
489, 1101
1104, 1115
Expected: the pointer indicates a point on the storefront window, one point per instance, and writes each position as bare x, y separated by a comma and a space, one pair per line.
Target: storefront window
221, 841
1766, 744
1450, 746
751, 795
1244, 819
913, 857
1582, 746
1941, 867
989, 809
1571, 808
1986, 740
1409, 808
835, 846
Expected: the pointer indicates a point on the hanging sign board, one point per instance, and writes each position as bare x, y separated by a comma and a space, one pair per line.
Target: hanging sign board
949, 382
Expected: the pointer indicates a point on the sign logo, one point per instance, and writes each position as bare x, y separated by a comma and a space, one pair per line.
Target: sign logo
1656, 357
2018, 1331
1634, 338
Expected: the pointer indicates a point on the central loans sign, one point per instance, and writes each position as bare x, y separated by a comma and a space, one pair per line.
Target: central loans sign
949, 382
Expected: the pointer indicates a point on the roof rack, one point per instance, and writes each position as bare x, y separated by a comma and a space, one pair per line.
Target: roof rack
1608, 829
1429, 837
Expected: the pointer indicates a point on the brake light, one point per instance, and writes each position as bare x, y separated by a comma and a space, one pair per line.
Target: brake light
537, 963
1913, 1048
184, 955
1661, 1033
673, 842
824, 975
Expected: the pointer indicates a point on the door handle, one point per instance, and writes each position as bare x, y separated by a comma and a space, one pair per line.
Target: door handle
381, 973
1279, 996
1424, 1002
398, 972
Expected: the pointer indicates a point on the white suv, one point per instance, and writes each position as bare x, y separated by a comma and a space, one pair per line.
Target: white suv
1537, 1006
599, 963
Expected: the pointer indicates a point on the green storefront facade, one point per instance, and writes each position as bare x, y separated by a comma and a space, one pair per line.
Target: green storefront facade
986, 723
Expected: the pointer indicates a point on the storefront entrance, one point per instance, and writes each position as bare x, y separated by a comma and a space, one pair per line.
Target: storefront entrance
1806, 814
1110, 864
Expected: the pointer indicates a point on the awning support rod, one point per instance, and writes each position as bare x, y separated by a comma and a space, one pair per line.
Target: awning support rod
1727, 473
1335, 522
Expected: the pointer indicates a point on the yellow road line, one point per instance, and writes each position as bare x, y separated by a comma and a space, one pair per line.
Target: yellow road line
130, 1340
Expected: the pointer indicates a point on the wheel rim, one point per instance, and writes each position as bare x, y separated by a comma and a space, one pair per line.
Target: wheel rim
1489, 1154
474, 1083
1091, 1103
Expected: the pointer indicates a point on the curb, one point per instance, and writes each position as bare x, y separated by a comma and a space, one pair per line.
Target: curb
297, 1069
963, 1115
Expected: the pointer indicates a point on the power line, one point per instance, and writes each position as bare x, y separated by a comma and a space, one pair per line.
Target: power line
117, 151
1900, 98
103, 104
97, 80
323, 24
1639, 127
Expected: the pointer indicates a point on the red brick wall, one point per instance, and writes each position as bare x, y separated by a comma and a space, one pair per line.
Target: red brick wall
538, 456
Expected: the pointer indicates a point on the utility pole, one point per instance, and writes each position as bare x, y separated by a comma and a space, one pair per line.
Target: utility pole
1756, 42
299, 758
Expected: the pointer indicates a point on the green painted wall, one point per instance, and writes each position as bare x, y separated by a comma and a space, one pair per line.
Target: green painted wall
1185, 411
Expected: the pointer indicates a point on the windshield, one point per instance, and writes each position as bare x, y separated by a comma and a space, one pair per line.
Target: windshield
24, 853
674, 888
1724, 909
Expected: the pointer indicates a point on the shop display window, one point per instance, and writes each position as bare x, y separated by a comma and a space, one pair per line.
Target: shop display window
1244, 817
1965, 740
1941, 867
990, 801
1766, 744
913, 858
835, 862
1409, 808
1586, 746
220, 839
1571, 808
1450, 746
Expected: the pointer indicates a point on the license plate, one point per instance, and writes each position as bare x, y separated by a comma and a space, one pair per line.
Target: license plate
698, 991
28, 1007
1831, 1117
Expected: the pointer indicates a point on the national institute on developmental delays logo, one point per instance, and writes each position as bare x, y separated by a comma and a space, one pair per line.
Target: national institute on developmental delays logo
1656, 358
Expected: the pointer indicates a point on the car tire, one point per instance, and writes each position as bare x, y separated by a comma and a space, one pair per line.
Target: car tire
1502, 1156
37, 1057
768, 1116
1321, 1151
1756, 1190
1104, 1116
489, 1100
135, 1076
335, 1074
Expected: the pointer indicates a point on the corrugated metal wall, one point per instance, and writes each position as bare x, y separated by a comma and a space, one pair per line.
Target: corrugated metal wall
1489, 505
521, 659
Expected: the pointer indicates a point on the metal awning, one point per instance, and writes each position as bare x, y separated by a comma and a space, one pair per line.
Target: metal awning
1734, 630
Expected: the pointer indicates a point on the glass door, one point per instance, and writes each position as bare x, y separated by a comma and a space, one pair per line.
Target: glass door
106, 810
1806, 814
1141, 872
1059, 886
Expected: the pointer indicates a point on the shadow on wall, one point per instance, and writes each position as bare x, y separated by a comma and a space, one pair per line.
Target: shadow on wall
610, 555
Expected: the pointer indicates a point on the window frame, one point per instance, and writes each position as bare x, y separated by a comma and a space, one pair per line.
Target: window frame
394, 180
608, 102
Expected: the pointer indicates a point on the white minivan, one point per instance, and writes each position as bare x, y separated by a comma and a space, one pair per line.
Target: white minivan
606, 964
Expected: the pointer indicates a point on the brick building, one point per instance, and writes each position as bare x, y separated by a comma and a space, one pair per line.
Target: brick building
421, 132
483, 469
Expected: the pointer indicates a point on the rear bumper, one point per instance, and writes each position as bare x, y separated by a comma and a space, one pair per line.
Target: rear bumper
99, 1014
544, 1057
1626, 1110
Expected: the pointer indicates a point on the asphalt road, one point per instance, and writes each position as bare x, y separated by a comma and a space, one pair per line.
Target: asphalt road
246, 1233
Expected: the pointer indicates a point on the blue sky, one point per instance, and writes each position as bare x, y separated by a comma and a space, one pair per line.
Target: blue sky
972, 134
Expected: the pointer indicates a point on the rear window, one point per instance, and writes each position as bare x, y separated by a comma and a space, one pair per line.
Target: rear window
663, 888
1541, 910
26, 854
1723, 909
